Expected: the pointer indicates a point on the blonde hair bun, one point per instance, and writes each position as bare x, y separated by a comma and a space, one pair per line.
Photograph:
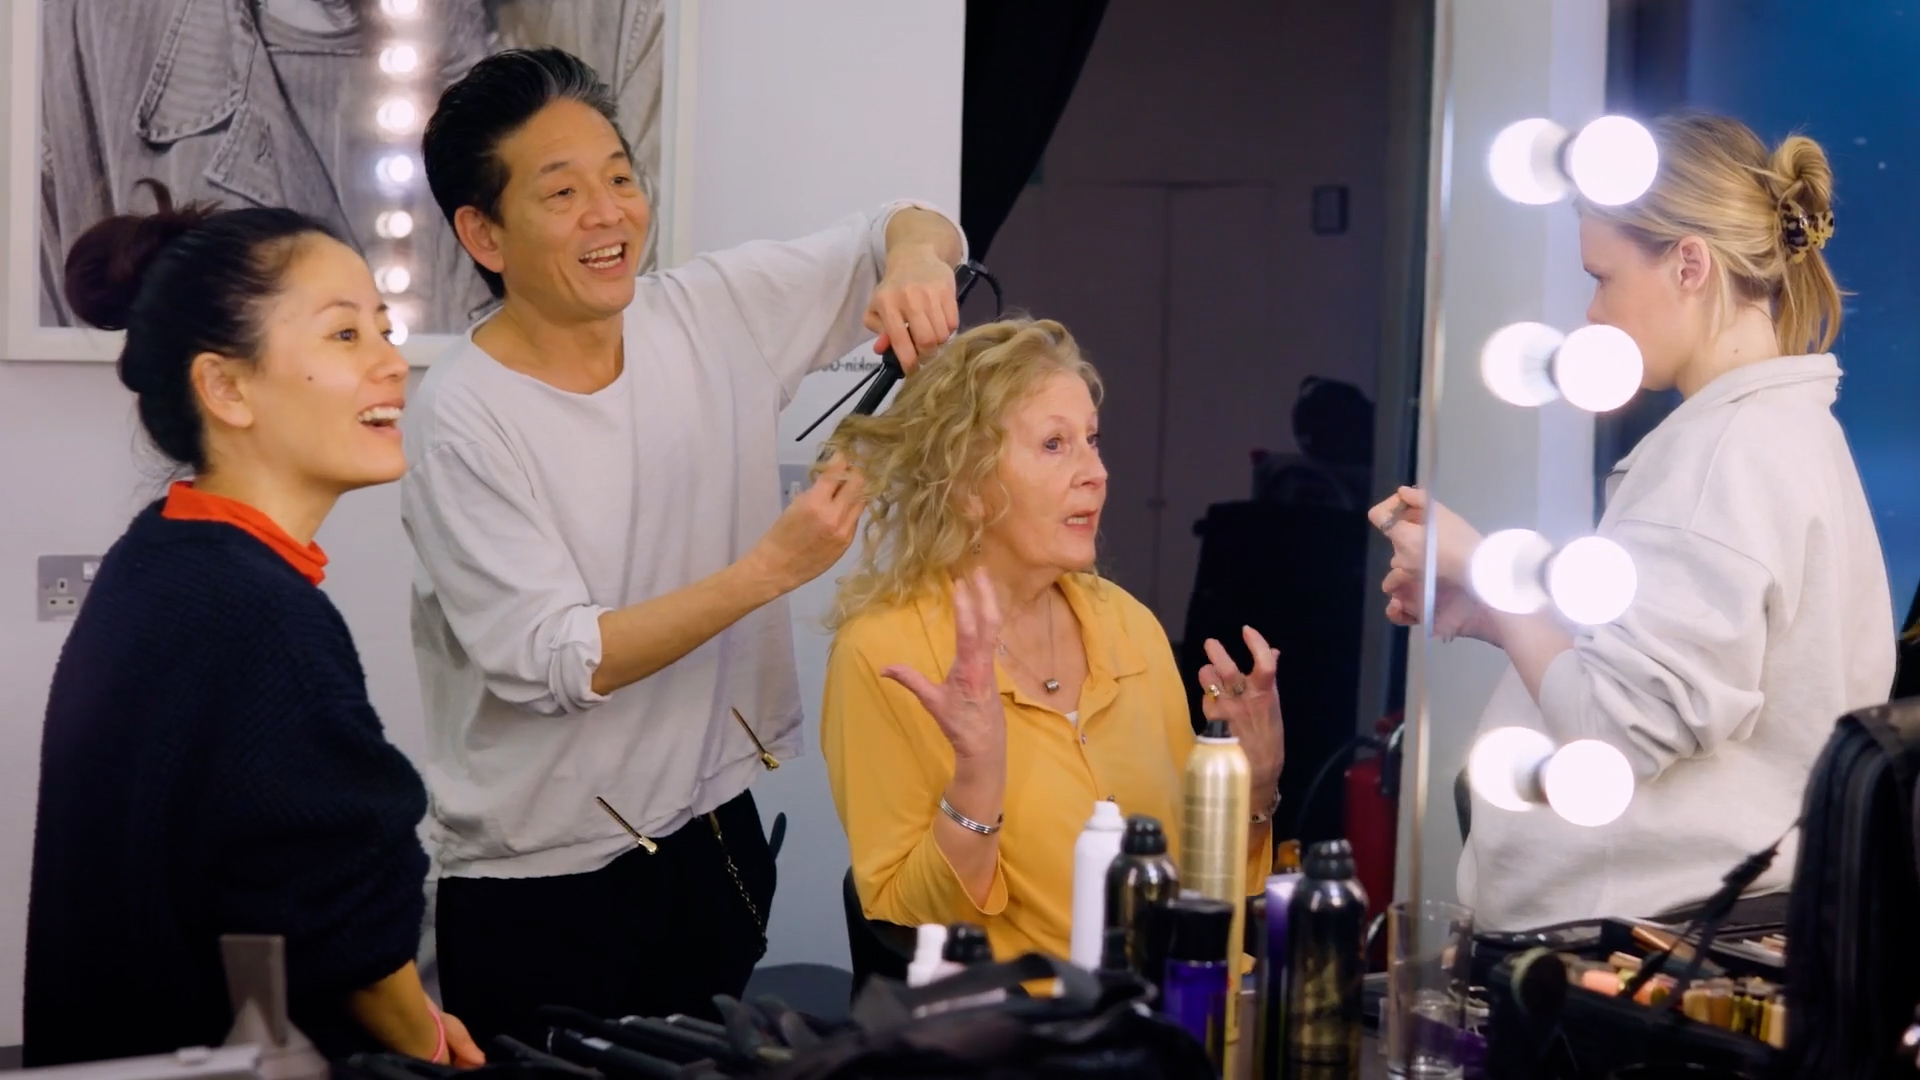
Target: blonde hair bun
1764, 215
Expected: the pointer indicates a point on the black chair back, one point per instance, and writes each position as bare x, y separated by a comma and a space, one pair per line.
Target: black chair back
874, 947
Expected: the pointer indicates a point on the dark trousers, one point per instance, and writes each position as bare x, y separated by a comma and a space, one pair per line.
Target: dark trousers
647, 935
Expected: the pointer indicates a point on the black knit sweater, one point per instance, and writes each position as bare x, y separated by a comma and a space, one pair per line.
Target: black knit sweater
210, 765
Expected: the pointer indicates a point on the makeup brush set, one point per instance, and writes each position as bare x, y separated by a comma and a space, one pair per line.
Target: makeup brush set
1588, 999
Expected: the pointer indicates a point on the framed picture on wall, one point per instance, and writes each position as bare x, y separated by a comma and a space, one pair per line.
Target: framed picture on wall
316, 105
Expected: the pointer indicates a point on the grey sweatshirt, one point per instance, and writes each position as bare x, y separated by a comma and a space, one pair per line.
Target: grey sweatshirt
533, 511
1763, 614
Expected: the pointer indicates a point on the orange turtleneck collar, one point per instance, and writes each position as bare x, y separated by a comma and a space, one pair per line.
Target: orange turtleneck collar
187, 503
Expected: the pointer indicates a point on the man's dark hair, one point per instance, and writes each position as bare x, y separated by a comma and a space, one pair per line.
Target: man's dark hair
475, 115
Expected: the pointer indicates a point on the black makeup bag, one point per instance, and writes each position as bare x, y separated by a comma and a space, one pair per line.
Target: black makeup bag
1853, 921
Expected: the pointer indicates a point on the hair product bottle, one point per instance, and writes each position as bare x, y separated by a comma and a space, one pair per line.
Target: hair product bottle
1271, 999
1213, 836
1093, 853
928, 964
1194, 992
1326, 921
1140, 884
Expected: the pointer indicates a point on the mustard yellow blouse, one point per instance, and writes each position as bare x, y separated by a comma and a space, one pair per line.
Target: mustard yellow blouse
888, 764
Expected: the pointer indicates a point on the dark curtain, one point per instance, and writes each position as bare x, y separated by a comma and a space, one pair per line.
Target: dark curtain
1022, 61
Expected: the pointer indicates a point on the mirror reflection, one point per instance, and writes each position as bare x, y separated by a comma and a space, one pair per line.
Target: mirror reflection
1407, 568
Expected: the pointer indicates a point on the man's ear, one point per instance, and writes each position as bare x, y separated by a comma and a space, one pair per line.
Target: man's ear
480, 235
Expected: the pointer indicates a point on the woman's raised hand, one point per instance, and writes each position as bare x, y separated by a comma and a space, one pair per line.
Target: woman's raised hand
967, 704
1250, 704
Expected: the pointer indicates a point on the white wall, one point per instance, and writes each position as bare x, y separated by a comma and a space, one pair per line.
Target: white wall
801, 113
1497, 465
807, 111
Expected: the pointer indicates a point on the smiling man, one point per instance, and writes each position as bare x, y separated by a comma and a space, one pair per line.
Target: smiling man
593, 497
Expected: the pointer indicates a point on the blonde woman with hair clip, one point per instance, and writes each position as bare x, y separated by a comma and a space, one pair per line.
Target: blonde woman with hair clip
1763, 611
985, 686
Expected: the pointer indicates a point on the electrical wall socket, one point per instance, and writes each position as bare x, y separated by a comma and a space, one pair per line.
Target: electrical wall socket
64, 581
793, 481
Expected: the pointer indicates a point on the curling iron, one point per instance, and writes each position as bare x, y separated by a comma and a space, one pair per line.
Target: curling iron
879, 382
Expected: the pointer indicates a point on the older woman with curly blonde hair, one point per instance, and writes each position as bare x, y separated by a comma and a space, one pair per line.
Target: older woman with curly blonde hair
986, 688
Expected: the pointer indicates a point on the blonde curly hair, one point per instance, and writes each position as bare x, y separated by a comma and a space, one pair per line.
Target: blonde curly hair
930, 453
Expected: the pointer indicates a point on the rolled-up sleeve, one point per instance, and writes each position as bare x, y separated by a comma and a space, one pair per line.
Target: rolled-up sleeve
1679, 673
887, 764
803, 301
510, 591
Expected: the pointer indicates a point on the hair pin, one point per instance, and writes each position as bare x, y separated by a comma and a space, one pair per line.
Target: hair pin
766, 758
642, 842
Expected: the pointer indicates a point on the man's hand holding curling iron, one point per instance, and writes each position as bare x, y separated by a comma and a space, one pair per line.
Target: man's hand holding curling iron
914, 308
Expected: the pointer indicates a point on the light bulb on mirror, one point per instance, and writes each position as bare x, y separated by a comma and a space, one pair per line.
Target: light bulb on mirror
394, 224
1592, 580
1504, 764
1505, 570
393, 279
1613, 161
1525, 162
395, 169
399, 59
400, 9
1516, 361
396, 115
397, 330
1588, 783
1598, 368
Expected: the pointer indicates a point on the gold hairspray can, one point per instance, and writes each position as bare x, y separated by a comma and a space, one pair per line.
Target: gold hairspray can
1213, 840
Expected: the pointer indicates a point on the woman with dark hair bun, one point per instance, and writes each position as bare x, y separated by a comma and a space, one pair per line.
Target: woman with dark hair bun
211, 764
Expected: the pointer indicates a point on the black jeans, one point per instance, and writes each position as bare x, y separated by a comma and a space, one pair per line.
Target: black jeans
647, 935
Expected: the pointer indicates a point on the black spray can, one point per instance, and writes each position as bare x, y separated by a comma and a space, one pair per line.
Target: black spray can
1140, 885
1326, 925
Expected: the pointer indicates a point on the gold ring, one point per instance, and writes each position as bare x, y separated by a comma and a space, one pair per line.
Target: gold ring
1213, 691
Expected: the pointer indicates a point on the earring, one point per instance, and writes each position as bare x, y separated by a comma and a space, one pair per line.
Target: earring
976, 547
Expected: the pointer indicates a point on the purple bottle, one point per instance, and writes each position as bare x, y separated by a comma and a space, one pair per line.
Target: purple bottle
1193, 992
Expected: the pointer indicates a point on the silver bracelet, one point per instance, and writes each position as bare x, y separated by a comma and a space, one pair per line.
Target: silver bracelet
968, 823
1264, 817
